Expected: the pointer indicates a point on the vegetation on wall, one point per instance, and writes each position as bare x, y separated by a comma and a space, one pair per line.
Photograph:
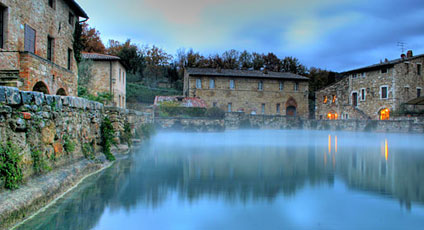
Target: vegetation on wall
39, 162
10, 163
68, 144
145, 131
88, 151
144, 94
126, 135
107, 132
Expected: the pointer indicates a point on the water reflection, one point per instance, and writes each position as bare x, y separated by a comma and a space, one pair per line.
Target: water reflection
243, 167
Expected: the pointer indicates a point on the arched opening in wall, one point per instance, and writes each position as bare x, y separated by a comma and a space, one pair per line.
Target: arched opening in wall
61, 92
41, 87
384, 114
291, 106
332, 115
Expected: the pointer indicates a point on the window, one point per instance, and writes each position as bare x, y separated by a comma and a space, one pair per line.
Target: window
418, 92
119, 100
260, 85
263, 108
333, 100
325, 99
198, 83
2, 25
232, 84
363, 95
50, 48
69, 59
278, 108
384, 70
418, 69
229, 107
29, 39
407, 67
71, 18
211, 84
363, 75
383, 92
281, 86
347, 116
214, 104
120, 72
296, 86
51, 3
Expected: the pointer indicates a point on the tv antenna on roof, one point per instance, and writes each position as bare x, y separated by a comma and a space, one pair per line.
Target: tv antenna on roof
402, 46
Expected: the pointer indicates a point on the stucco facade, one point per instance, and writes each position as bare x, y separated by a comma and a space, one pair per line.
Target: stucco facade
36, 50
108, 75
366, 93
252, 92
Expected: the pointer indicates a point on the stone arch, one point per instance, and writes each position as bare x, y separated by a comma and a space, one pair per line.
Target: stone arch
332, 115
384, 114
61, 92
41, 87
291, 107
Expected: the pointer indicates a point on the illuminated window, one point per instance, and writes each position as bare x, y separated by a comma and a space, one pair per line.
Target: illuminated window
334, 99
325, 99
384, 114
332, 115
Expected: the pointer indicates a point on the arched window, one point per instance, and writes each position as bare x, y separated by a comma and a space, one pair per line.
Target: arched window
61, 92
384, 114
41, 87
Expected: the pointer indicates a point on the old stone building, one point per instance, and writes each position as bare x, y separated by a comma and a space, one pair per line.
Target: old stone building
108, 75
36, 45
253, 92
372, 92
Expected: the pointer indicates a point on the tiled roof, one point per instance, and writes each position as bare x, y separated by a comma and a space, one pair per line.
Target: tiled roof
97, 56
243, 73
383, 64
76, 8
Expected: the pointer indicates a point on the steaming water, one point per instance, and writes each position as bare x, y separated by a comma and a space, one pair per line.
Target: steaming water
253, 180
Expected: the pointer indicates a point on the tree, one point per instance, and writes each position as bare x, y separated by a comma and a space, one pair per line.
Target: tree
258, 61
231, 59
292, 65
78, 44
91, 41
272, 62
156, 56
246, 60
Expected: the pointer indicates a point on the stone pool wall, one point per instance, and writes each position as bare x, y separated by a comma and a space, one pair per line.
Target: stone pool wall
59, 130
240, 120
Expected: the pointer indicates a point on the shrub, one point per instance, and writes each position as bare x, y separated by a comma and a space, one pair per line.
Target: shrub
88, 151
215, 112
68, 144
10, 170
39, 162
107, 133
126, 136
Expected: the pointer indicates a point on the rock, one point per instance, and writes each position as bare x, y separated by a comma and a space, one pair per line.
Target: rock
27, 97
18, 125
2, 94
48, 132
13, 96
38, 98
49, 99
5, 109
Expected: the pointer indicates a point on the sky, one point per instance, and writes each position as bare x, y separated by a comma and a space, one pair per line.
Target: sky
336, 35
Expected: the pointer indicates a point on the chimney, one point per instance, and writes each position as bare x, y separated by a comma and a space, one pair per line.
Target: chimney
403, 56
265, 71
409, 54
386, 60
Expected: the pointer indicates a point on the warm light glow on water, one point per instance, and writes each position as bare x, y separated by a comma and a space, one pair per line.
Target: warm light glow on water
253, 180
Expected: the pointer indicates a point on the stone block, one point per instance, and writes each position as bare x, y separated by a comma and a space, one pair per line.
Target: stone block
2, 94
38, 98
65, 100
5, 109
13, 96
58, 103
27, 97
49, 99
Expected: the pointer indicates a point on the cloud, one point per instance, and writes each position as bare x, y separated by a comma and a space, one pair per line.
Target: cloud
333, 34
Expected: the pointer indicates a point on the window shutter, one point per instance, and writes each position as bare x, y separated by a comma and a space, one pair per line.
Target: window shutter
29, 39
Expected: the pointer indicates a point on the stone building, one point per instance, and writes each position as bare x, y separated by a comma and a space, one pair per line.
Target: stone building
108, 76
372, 92
253, 92
36, 45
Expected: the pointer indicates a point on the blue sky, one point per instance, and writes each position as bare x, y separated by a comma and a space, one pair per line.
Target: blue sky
332, 34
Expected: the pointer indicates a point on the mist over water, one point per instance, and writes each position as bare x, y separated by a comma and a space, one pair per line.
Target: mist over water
253, 180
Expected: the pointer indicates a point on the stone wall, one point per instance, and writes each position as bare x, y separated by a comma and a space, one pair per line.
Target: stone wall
57, 127
190, 124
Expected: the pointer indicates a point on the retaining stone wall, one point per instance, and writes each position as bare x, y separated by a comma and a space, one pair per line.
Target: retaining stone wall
36, 122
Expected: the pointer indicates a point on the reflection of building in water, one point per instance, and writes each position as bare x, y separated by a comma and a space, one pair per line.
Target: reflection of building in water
391, 172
